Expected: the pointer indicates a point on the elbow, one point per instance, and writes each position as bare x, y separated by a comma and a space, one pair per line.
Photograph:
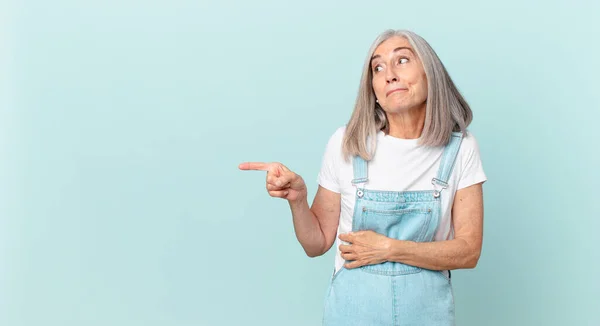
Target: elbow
314, 252
316, 249
472, 259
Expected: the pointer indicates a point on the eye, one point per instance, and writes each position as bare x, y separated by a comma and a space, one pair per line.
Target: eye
377, 68
403, 60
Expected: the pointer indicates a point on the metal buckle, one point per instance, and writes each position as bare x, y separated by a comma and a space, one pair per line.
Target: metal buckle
442, 184
359, 193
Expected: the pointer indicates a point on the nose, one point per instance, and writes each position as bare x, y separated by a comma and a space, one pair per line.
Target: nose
391, 76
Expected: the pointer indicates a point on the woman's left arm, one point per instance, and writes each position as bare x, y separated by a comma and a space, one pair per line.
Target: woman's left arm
368, 247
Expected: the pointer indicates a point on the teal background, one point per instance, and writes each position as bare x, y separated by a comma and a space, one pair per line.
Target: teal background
122, 124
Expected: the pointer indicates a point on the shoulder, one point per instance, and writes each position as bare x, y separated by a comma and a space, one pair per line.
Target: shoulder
336, 138
469, 144
339, 132
470, 163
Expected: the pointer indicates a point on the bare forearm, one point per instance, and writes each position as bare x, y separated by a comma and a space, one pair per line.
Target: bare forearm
437, 255
307, 228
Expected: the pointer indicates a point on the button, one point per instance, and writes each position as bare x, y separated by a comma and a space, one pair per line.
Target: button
359, 193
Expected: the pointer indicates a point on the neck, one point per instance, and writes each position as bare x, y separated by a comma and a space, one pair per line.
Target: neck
408, 124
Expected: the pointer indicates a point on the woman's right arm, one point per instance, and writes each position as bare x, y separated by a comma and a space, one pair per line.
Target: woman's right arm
315, 227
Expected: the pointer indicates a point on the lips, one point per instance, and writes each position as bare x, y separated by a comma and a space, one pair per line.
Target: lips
394, 90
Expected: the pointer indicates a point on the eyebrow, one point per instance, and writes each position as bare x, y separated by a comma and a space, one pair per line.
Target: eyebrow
395, 50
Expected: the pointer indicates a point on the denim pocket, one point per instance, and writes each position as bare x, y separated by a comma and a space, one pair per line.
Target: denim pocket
402, 224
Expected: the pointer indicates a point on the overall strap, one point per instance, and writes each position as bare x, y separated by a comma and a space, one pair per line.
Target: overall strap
360, 170
359, 165
447, 163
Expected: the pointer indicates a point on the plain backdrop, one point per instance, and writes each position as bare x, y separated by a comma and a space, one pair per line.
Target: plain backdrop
122, 124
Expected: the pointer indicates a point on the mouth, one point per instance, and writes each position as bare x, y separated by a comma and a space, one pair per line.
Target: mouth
395, 90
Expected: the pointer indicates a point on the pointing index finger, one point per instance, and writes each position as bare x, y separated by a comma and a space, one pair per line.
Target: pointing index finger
259, 166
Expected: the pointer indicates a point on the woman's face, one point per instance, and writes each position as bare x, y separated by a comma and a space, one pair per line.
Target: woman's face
399, 80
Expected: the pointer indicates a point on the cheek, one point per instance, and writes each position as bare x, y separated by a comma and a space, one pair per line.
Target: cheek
424, 88
420, 86
378, 87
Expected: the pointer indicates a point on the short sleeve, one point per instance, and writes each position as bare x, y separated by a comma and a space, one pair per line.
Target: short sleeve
328, 175
471, 165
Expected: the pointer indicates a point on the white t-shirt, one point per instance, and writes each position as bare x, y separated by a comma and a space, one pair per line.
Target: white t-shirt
398, 165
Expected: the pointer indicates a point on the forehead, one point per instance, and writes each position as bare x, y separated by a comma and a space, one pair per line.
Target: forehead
388, 46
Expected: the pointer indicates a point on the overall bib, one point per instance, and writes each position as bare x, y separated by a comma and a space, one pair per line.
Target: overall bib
393, 293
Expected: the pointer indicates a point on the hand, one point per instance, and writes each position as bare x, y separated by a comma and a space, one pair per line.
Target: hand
366, 248
281, 182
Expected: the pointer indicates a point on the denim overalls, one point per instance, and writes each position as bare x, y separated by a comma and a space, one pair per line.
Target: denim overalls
393, 293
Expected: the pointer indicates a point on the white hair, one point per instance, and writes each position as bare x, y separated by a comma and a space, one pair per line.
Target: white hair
446, 110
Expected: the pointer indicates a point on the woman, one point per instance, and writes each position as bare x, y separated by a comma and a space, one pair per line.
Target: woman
400, 189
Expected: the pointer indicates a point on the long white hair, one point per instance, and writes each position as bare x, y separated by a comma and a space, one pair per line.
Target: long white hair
446, 109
